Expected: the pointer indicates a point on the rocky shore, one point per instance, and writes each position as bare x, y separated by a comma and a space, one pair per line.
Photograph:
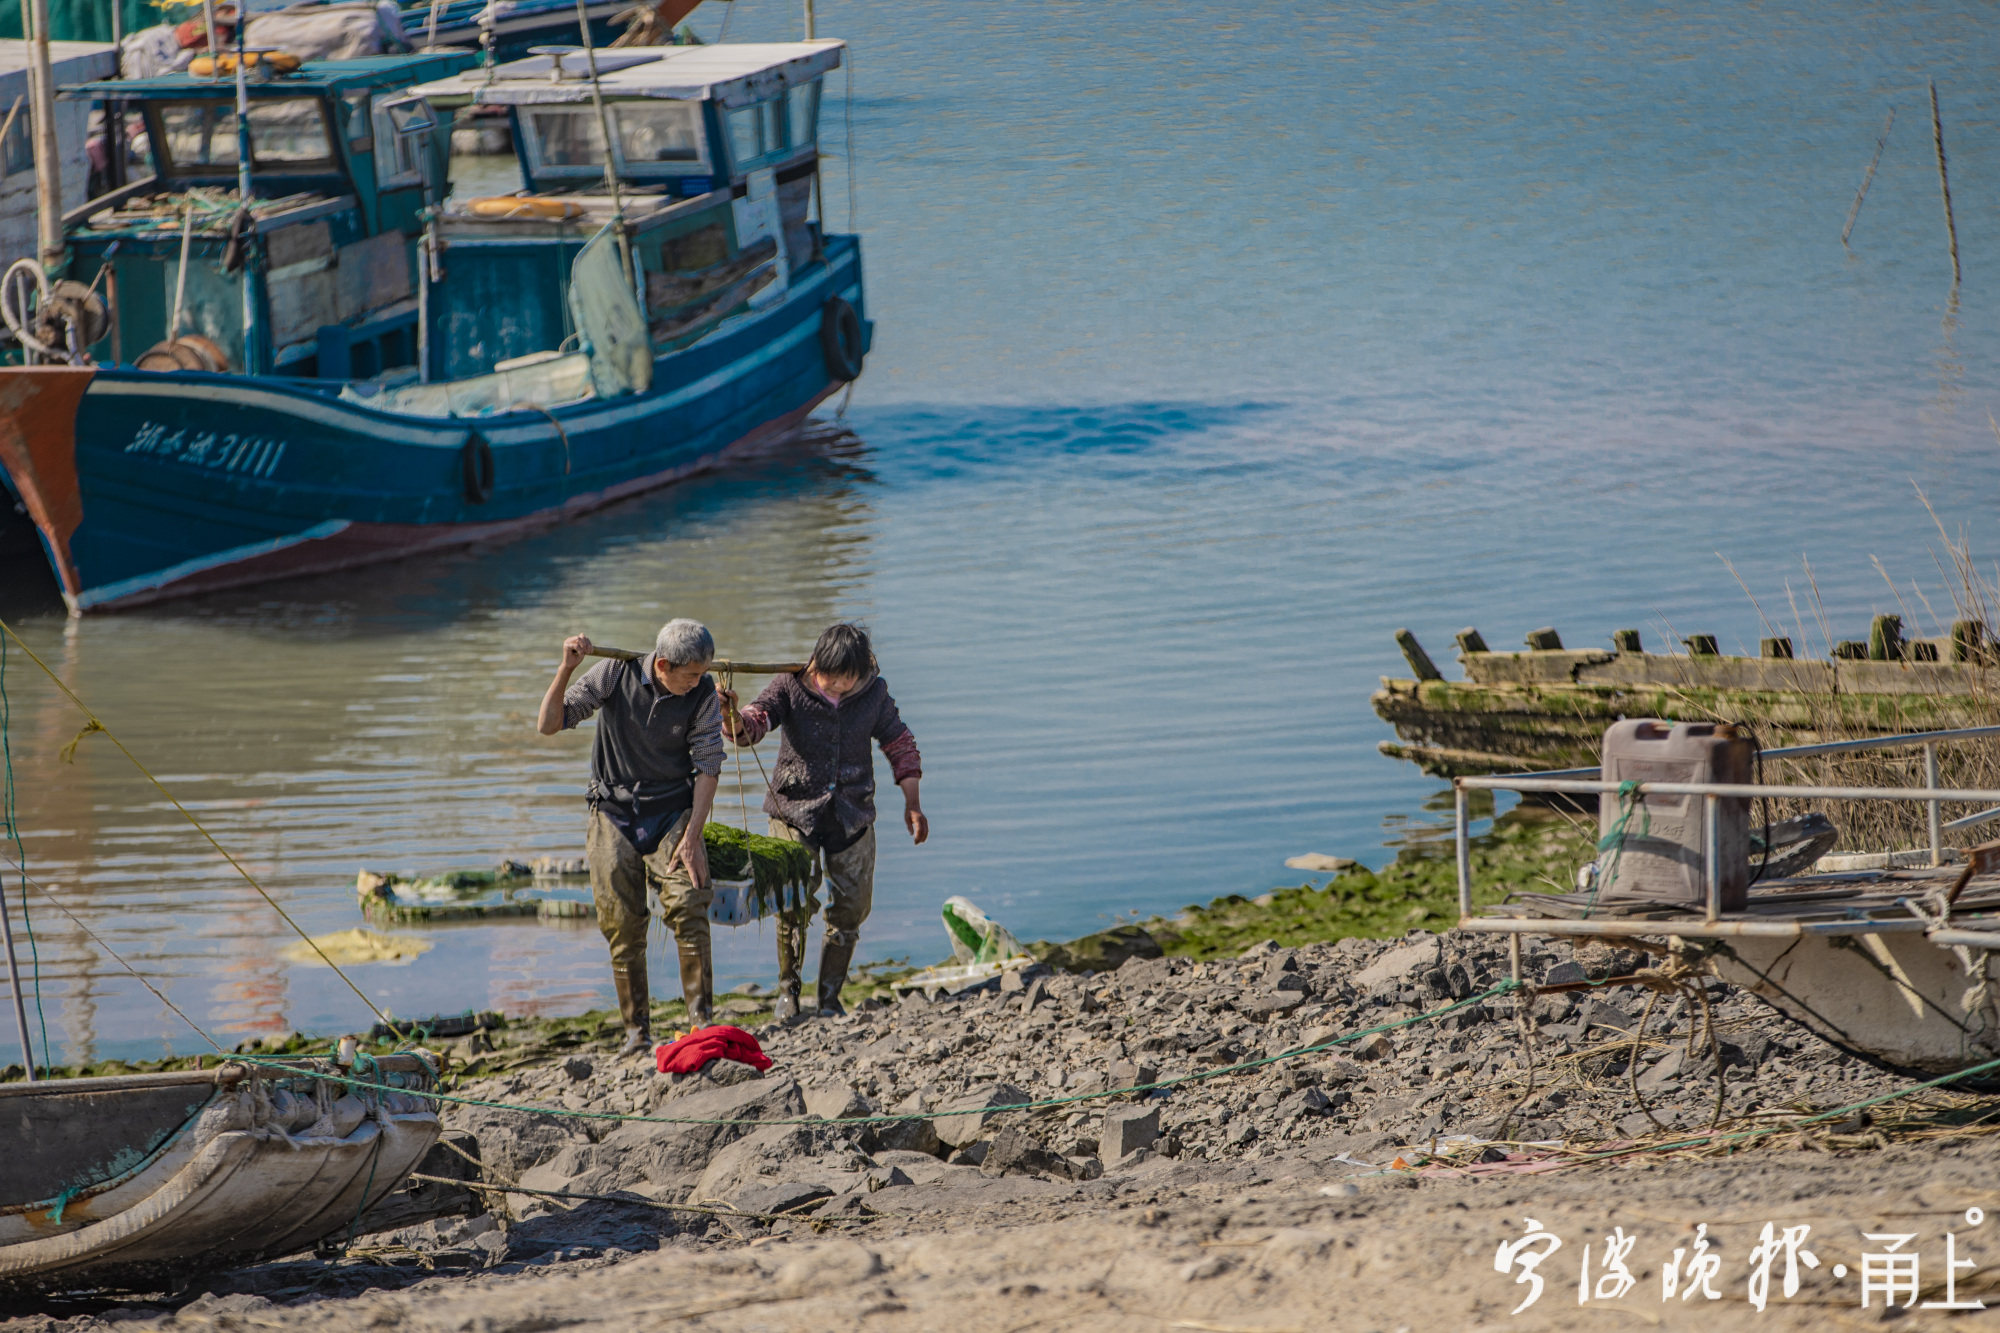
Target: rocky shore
1235, 1130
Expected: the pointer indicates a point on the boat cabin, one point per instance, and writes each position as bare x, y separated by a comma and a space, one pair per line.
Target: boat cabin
715, 154
318, 278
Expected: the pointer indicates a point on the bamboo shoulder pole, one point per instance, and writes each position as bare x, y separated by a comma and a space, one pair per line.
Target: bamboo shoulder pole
719, 664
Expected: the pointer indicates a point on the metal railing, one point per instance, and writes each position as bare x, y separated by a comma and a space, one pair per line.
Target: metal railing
1574, 782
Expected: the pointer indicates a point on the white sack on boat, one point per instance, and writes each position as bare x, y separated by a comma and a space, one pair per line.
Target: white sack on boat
150, 52
555, 380
323, 32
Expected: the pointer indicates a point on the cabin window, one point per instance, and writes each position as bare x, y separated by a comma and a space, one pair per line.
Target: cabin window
746, 135
662, 132
803, 104
652, 139
565, 139
402, 141
773, 128
284, 131
360, 137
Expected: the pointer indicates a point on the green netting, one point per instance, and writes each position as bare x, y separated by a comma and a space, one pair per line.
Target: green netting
770, 864
90, 20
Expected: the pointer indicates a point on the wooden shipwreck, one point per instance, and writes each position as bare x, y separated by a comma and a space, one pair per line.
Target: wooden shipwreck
1546, 707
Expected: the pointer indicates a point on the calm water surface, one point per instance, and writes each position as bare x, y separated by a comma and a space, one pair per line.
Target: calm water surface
1212, 347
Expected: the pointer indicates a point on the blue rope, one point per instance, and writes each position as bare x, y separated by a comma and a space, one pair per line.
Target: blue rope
13, 826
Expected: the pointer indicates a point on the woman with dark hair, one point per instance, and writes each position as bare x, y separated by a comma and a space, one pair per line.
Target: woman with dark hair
823, 793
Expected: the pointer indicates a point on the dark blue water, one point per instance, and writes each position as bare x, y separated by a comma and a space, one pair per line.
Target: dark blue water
1212, 347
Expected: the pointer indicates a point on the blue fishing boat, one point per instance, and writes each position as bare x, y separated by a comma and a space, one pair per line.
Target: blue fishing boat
351, 369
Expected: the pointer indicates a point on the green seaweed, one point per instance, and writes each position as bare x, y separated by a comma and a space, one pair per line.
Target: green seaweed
770, 864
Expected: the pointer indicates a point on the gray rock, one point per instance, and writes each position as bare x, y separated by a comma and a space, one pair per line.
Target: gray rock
755, 1159
1400, 963
1598, 1014
964, 1120
789, 1196
677, 1154
911, 1136
1563, 974
1269, 1004
1014, 1153
1126, 1130
1130, 1074
578, 1067
836, 1101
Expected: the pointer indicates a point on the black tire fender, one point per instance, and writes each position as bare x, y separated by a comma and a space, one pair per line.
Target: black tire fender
476, 466
840, 340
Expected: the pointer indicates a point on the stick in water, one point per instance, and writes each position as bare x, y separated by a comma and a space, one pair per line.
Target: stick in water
1868, 178
1944, 184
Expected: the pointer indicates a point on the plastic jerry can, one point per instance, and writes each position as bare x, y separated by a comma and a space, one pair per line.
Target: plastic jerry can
1662, 854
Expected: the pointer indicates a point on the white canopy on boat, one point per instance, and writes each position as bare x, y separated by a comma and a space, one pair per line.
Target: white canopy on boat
735, 74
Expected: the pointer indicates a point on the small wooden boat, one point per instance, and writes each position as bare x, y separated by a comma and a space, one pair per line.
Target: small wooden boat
132, 1180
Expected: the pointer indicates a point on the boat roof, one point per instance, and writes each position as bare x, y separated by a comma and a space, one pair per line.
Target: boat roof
733, 74
315, 76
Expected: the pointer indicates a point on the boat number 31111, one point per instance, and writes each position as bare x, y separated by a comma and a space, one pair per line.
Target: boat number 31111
252, 455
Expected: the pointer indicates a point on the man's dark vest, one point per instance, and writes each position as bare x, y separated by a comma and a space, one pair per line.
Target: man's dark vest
641, 774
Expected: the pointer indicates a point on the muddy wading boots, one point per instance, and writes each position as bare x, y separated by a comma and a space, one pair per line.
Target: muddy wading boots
834, 956
635, 1007
695, 988
791, 954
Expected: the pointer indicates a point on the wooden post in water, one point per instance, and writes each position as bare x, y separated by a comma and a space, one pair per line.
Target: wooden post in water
1469, 641
1626, 641
1868, 177
1944, 183
1544, 640
1420, 662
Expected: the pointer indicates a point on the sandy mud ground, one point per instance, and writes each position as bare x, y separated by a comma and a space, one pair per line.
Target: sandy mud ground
1368, 1183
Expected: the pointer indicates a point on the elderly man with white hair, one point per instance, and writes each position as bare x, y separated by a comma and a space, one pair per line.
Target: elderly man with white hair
653, 770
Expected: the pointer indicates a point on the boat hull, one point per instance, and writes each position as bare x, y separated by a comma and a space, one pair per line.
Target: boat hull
192, 482
130, 1181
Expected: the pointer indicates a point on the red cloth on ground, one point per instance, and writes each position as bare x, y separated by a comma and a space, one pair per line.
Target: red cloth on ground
720, 1042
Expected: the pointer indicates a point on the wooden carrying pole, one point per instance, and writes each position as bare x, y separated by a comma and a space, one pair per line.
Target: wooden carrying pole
719, 664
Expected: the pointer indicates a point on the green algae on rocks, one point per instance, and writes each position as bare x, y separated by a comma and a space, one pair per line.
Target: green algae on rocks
1529, 847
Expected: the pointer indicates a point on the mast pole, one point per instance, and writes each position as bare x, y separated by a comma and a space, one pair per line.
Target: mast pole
610, 157
245, 221
48, 156
810, 34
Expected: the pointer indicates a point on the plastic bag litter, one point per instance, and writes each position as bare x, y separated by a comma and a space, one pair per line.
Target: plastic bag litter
981, 949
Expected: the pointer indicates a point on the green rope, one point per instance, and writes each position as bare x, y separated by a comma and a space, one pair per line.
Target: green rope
1039, 1104
13, 825
62, 1202
1614, 841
